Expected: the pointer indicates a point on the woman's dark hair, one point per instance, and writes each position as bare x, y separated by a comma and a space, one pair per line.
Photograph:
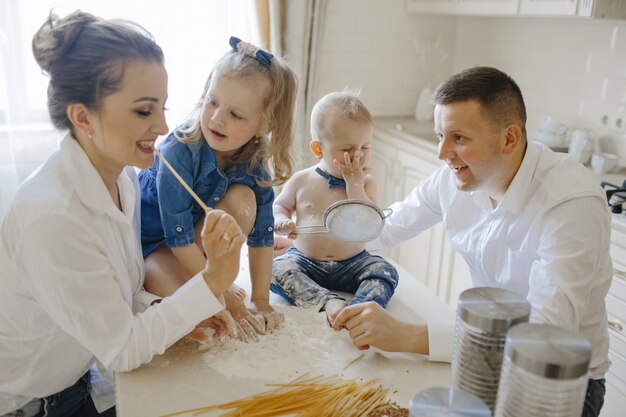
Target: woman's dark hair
498, 94
85, 57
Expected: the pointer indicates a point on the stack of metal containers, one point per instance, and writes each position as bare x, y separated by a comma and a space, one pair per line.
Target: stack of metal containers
447, 402
484, 316
544, 374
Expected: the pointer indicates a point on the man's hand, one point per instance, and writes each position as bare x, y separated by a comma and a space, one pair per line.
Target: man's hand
371, 325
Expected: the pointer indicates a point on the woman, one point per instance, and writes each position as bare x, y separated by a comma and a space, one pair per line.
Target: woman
72, 271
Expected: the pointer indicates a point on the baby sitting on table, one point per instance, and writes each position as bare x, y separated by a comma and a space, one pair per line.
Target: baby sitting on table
318, 264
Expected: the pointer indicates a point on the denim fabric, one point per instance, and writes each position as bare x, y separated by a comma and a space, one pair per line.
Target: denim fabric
306, 282
74, 401
594, 399
169, 213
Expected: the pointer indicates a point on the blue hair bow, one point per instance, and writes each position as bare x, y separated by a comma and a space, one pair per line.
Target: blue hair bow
262, 56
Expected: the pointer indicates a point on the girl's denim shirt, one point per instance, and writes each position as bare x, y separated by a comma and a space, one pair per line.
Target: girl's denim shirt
169, 213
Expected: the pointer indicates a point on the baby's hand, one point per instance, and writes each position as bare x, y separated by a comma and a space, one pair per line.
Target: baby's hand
281, 245
353, 170
286, 227
273, 319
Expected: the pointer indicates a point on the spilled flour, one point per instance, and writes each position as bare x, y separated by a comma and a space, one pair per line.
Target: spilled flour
305, 343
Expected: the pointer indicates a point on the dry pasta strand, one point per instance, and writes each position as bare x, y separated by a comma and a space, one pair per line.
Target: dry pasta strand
305, 396
353, 361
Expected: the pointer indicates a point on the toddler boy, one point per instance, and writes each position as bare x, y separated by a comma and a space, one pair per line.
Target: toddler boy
318, 264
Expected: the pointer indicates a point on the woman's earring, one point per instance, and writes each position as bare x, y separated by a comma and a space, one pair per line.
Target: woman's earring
90, 135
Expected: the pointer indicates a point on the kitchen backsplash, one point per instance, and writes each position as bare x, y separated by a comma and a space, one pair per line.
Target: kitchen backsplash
378, 47
572, 69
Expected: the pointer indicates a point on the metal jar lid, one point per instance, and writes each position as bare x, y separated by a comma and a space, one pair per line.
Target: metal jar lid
492, 310
447, 401
548, 351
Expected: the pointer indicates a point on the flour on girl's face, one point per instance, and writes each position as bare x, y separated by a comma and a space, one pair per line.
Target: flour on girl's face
305, 343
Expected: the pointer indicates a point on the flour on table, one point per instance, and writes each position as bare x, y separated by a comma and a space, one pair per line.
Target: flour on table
305, 343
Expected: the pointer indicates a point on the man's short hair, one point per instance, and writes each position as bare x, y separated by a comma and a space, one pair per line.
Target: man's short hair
498, 94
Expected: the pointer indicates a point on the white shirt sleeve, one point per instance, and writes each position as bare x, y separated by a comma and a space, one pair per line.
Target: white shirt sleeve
440, 342
71, 273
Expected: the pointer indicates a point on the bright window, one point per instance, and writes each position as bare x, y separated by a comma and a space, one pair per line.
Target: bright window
192, 33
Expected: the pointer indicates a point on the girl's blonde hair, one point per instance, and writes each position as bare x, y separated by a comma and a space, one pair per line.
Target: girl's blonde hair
272, 150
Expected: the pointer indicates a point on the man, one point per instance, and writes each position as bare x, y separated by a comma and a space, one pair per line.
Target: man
523, 217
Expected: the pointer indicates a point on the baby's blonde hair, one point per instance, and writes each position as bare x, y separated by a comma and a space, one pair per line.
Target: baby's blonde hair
272, 150
344, 104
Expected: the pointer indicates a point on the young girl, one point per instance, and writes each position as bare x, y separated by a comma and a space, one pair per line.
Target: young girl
233, 148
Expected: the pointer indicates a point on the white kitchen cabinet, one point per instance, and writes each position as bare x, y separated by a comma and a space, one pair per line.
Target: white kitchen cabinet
608, 9
615, 399
615, 9
464, 7
431, 6
548, 7
400, 160
487, 7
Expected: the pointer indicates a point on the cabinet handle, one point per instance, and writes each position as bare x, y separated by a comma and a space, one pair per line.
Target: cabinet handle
615, 325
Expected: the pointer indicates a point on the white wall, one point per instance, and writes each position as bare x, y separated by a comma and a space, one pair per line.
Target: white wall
376, 46
572, 69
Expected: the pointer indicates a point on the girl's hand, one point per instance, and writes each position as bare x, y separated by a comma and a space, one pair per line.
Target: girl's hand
353, 170
222, 239
244, 325
286, 227
273, 319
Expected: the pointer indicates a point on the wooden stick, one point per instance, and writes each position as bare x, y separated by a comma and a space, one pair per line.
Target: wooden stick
181, 180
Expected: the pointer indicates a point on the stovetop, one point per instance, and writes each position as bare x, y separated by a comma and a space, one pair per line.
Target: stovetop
615, 196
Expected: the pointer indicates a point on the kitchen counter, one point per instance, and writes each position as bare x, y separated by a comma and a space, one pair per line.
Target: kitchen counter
408, 128
181, 379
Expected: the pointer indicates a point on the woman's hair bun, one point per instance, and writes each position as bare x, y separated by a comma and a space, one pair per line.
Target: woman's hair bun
56, 36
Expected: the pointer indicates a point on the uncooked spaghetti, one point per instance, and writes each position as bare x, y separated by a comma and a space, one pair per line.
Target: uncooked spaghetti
305, 397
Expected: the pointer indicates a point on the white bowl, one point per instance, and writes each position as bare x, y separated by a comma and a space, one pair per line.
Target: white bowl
551, 125
603, 162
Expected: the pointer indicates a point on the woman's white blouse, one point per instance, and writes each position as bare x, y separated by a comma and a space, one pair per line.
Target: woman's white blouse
71, 282
548, 240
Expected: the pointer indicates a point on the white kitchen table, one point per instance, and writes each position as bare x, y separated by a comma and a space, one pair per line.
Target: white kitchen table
181, 380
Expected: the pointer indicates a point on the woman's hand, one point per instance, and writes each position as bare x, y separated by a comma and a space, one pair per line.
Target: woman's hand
273, 319
222, 239
199, 334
